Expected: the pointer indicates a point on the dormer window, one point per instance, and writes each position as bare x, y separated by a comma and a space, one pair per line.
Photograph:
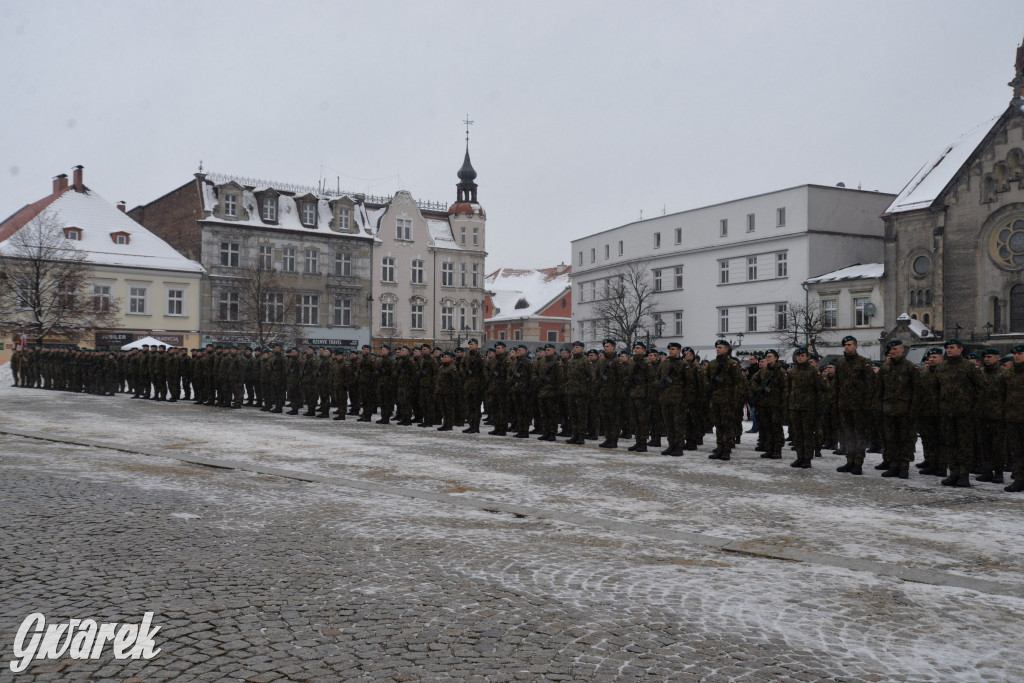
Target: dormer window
73, 234
343, 218
230, 205
269, 208
120, 237
308, 214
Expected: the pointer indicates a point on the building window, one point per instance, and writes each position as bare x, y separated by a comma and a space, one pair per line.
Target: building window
73, 234
781, 317
447, 317
860, 316
101, 298
272, 307
620, 247
580, 259
476, 237
121, 239
751, 318
138, 300
387, 269
462, 275
501, 335
342, 263
552, 335
270, 209
311, 261
175, 302
723, 320
266, 257
593, 255
723, 227
723, 272
750, 222
678, 277
387, 314
657, 279
828, 313
517, 335
308, 213
344, 214
417, 316
476, 275
474, 320
308, 312
463, 234
781, 264
228, 306
657, 240
780, 217
417, 272
288, 259
448, 274
751, 268
677, 323
462, 318
403, 229
229, 254
230, 205
342, 312
607, 252
679, 235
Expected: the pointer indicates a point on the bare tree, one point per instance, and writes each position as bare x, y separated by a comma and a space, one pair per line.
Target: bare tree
805, 326
45, 286
627, 303
258, 309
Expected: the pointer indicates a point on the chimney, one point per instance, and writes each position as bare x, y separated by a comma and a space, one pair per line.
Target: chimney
120, 205
78, 186
60, 183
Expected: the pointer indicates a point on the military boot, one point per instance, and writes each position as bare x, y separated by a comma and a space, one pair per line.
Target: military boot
997, 476
668, 451
893, 471
847, 467
963, 480
986, 475
904, 471
1016, 487
655, 442
884, 465
951, 480
726, 454
799, 462
856, 468
609, 443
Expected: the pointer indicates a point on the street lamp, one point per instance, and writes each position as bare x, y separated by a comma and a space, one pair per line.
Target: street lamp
739, 339
956, 330
988, 330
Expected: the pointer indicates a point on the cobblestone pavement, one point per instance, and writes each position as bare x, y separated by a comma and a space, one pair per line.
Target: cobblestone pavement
256, 577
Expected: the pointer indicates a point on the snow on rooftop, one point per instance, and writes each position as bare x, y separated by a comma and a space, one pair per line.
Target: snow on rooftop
98, 219
857, 271
535, 288
923, 189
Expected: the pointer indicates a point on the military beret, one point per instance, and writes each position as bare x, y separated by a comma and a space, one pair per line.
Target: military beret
609, 341
499, 343
849, 338
954, 340
367, 346
675, 345
566, 349
385, 346
990, 352
425, 346
815, 356
799, 350
773, 352
459, 348
1019, 348
894, 342
876, 363
546, 346
579, 344
1006, 359
524, 347
640, 344
448, 353
723, 342
592, 351
831, 362
473, 341
936, 351
973, 356
687, 349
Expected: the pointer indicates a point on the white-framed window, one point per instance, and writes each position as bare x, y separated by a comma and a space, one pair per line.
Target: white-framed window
175, 302
657, 240
101, 298
447, 317
751, 268
308, 312
387, 314
344, 216
448, 274
593, 255
828, 313
138, 300
723, 320
583, 296
270, 209
552, 335
473, 319
781, 264
230, 205
476, 275
750, 222
751, 318
723, 227
462, 233
227, 306
288, 259
517, 335
120, 239
342, 312
501, 335
417, 317
266, 257
387, 269
272, 307
476, 237
308, 213
580, 259
679, 235
656, 273
342, 263
403, 229
73, 234
462, 275
860, 317
780, 217
417, 272
229, 254
311, 261
723, 272
620, 247
607, 252
677, 277
781, 316
462, 317
677, 323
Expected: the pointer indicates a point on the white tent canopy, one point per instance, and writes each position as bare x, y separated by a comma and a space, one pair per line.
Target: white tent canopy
138, 343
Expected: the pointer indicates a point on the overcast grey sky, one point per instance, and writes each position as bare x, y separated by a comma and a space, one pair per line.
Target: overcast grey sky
586, 113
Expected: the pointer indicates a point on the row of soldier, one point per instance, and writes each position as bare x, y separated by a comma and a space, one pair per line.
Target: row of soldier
847, 404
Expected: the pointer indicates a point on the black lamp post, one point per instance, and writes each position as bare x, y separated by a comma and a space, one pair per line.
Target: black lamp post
956, 330
988, 330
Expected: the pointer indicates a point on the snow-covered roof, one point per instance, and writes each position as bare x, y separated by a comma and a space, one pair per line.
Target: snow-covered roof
532, 290
441, 233
918, 328
926, 185
98, 220
859, 271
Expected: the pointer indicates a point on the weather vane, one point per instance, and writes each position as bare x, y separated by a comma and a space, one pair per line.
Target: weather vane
468, 124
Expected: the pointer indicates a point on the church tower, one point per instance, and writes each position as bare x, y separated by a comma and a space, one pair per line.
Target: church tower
466, 216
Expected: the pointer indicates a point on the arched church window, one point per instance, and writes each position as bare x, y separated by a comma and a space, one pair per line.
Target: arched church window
988, 189
913, 298
1017, 308
926, 319
927, 297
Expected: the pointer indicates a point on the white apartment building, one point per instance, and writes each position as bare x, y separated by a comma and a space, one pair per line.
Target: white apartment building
730, 270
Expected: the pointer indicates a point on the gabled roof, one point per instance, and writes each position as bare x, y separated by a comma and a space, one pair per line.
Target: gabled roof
858, 271
532, 290
97, 218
